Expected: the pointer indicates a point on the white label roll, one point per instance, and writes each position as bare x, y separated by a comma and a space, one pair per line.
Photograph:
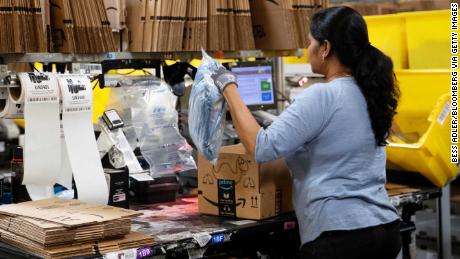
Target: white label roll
77, 101
42, 149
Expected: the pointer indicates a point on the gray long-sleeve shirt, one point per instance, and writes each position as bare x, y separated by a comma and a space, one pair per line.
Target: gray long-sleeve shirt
338, 171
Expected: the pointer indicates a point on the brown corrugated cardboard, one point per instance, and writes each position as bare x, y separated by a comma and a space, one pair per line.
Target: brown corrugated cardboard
273, 26
70, 213
238, 187
131, 240
148, 25
135, 22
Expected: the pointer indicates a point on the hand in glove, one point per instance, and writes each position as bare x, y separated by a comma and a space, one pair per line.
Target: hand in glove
222, 78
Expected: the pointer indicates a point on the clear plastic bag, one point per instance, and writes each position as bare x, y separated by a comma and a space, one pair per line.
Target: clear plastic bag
207, 109
148, 108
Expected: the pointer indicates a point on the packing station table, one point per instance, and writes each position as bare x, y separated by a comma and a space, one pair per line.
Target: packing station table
181, 232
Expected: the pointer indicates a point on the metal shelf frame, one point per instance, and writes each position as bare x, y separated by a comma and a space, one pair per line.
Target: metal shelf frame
97, 58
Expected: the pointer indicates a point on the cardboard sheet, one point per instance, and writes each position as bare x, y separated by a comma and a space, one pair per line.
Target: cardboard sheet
70, 213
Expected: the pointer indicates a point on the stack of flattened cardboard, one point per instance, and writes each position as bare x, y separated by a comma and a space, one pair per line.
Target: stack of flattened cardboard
195, 28
81, 26
115, 13
273, 22
303, 11
135, 20
229, 25
55, 228
48, 233
22, 26
168, 19
156, 25
244, 38
131, 240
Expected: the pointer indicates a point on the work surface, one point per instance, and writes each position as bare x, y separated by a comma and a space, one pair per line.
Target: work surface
178, 226
171, 223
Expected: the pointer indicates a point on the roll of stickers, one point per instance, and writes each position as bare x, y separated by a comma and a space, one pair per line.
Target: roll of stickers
42, 150
77, 101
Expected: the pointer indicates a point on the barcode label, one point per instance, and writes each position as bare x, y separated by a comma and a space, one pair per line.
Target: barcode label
77, 109
87, 68
91, 69
42, 99
444, 113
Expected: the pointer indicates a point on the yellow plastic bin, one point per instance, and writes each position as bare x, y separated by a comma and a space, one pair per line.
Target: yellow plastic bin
420, 90
430, 153
387, 33
423, 141
428, 39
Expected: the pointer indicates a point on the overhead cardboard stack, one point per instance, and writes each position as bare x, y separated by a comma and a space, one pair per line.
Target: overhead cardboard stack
244, 37
22, 25
55, 228
229, 25
274, 25
303, 11
135, 20
273, 22
156, 25
116, 14
195, 28
217, 22
81, 26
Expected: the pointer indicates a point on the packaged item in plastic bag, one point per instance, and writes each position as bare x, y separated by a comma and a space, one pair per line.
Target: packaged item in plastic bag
148, 108
207, 109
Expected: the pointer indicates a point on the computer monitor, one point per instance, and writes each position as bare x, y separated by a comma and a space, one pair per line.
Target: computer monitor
255, 84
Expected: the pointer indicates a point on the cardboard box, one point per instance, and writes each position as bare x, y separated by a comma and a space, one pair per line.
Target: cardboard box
238, 187
273, 26
136, 11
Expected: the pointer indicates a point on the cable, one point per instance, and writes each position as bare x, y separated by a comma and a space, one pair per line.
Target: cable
96, 84
125, 74
283, 96
147, 72
32, 65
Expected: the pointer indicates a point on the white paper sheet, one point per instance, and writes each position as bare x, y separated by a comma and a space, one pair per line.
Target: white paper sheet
81, 144
65, 177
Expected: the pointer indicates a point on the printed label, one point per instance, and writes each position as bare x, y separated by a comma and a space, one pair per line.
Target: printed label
218, 238
444, 113
144, 252
41, 88
76, 94
124, 254
119, 197
226, 198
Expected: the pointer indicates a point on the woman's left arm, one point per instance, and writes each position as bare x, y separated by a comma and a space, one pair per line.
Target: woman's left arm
299, 123
245, 124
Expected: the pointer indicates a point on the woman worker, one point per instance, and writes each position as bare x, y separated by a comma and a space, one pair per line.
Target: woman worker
333, 139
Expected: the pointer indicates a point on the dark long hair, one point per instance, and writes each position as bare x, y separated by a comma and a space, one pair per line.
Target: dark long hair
346, 30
